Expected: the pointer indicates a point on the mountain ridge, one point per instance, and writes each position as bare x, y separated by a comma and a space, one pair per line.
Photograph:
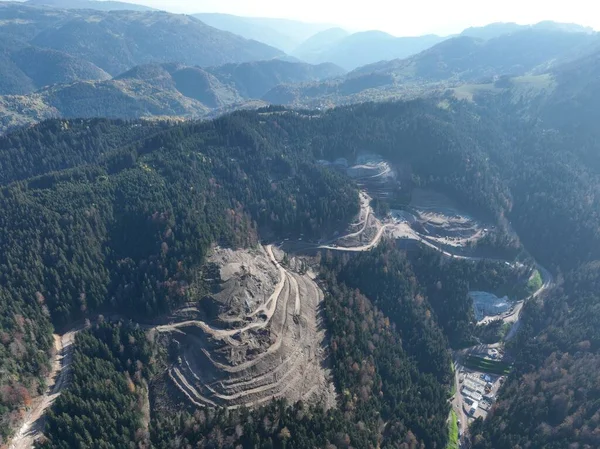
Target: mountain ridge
284, 34
163, 90
115, 41
107, 5
452, 62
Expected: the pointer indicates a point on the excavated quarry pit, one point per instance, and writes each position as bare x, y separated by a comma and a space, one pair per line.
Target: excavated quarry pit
256, 337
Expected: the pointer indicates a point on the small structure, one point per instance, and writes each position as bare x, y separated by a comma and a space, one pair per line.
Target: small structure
472, 394
490, 398
474, 408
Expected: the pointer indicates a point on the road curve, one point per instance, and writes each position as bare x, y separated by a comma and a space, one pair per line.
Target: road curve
357, 249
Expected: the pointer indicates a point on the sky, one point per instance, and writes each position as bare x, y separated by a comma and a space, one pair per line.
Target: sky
399, 17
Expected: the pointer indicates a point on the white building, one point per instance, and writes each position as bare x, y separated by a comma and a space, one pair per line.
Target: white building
474, 386
474, 407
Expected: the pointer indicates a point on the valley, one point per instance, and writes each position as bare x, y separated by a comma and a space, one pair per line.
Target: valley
232, 232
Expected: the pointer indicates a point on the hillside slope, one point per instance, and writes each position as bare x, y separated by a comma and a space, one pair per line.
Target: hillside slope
364, 48
106, 216
119, 40
163, 90
311, 49
468, 59
453, 62
280, 33
43, 45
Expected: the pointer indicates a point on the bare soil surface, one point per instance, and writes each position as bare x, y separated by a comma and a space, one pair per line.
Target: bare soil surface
432, 219
57, 380
267, 340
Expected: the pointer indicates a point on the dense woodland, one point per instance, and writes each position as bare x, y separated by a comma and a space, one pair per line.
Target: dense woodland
113, 216
124, 229
553, 401
104, 405
378, 363
385, 400
446, 283
377, 379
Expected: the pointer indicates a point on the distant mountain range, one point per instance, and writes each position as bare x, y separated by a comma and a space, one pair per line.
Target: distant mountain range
59, 60
161, 90
42, 45
501, 28
283, 34
462, 59
358, 49
316, 44
467, 59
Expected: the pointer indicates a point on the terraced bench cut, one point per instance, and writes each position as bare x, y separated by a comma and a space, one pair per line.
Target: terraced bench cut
255, 337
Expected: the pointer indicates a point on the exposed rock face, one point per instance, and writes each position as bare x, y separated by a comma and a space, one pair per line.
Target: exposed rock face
257, 336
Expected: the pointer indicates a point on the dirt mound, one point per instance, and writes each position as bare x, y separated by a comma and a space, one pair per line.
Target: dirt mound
266, 341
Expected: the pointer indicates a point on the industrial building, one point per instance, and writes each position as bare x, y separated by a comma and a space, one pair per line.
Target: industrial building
466, 391
474, 386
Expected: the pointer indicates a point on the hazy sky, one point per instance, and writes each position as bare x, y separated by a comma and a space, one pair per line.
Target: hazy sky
399, 17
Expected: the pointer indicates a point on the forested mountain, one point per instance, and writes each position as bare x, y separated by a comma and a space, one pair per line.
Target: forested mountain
313, 47
138, 214
553, 400
284, 34
452, 62
116, 217
498, 29
26, 68
43, 45
160, 90
571, 105
119, 40
363, 48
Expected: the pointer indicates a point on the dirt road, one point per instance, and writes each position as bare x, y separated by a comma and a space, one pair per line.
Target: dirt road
358, 249
366, 210
268, 309
57, 380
